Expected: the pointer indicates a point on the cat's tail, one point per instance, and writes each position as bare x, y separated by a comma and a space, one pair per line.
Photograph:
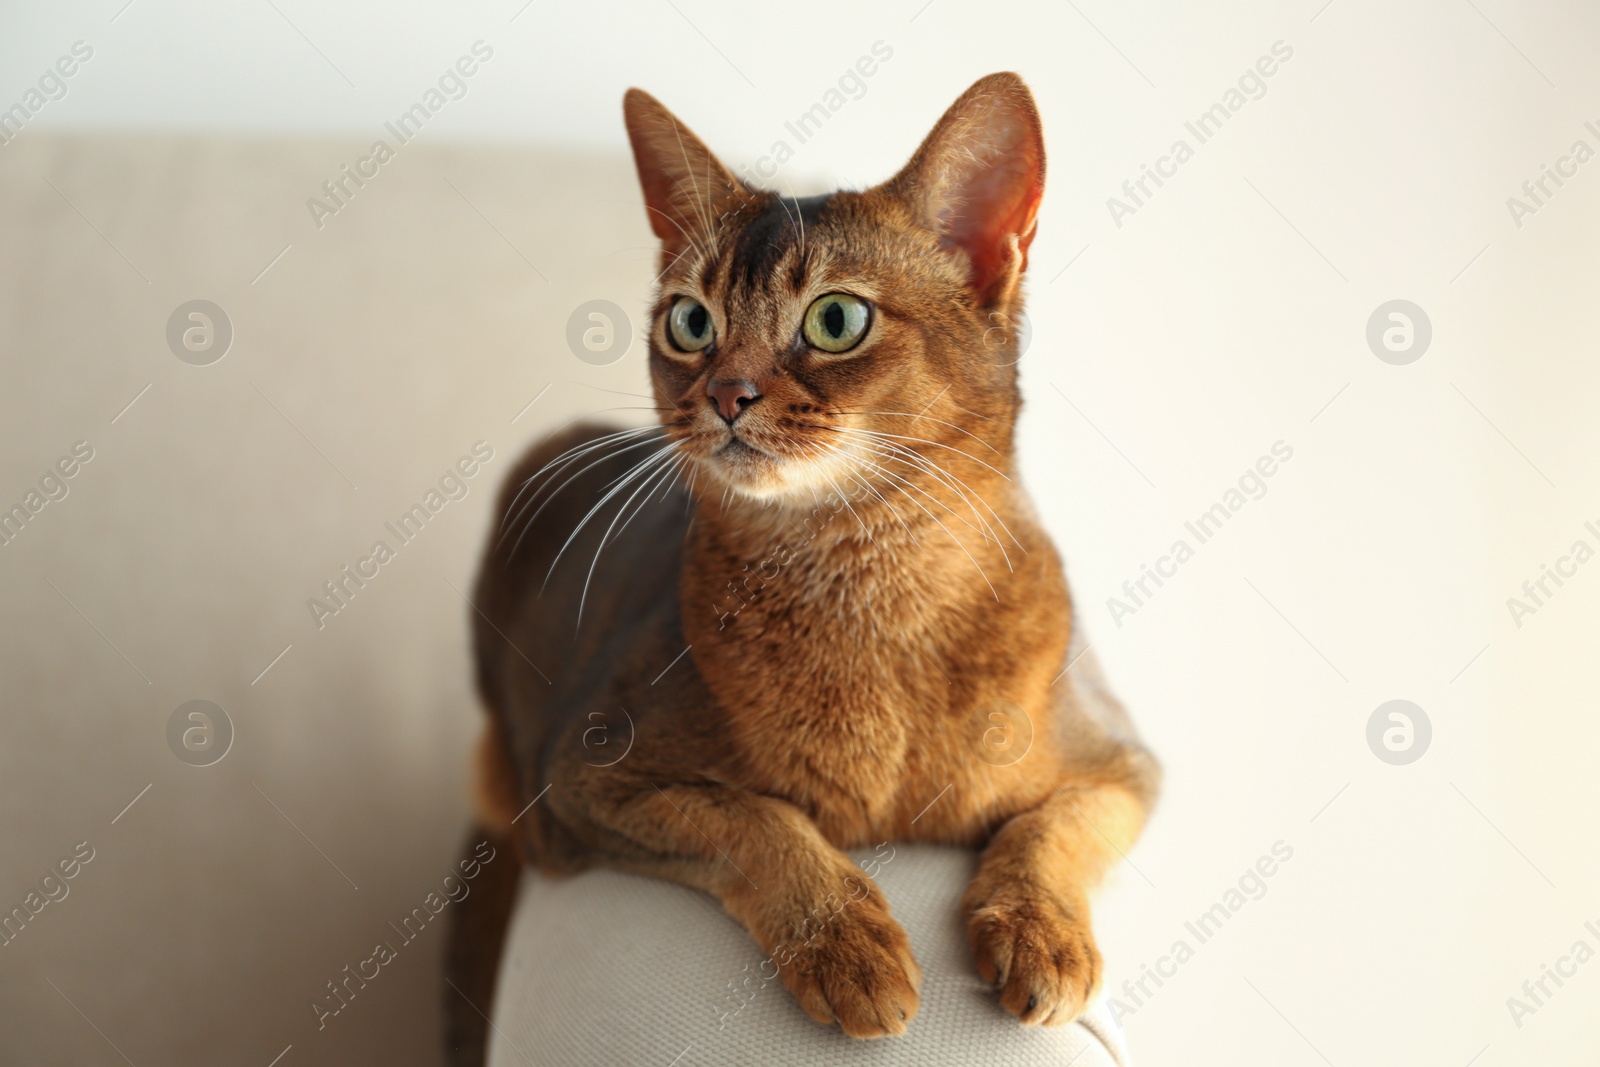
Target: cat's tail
477, 934
479, 921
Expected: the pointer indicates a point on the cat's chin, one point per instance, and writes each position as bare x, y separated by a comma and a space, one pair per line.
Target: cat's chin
758, 475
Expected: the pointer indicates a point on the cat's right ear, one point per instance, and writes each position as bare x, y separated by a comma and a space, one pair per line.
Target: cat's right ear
687, 190
977, 181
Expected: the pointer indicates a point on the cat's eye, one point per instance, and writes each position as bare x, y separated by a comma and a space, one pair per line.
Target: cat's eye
689, 325
837, 322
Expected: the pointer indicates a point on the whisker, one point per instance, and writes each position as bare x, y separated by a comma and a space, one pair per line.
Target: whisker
944, 476
958, 542
987, 533
701, 202
925, 441
852, 510
797, 220
961, 489
943, 473
639, 469
930, 418
983, 534
664, 466
912, 459
565, 457
687, 236
866, 484
623, 446
940, 473
618, 392
672, 263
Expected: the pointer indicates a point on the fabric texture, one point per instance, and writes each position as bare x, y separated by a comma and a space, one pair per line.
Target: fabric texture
608, 969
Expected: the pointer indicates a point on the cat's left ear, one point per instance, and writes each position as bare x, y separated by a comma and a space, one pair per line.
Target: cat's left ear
977, 181
686, 188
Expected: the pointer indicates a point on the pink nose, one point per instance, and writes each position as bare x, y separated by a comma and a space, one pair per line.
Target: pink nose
731, 398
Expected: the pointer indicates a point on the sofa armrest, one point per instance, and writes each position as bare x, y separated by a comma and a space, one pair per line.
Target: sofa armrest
610, 969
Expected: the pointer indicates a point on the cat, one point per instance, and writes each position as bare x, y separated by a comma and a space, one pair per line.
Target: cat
813, 609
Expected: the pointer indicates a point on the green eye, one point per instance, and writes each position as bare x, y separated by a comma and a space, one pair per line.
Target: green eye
689, 325
837, 322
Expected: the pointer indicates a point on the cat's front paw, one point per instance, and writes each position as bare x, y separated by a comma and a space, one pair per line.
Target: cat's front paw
855, 968
1038, 952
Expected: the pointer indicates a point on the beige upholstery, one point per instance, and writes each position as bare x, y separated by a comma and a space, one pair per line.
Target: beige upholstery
608, 968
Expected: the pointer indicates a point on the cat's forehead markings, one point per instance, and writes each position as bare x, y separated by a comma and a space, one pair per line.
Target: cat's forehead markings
769, 237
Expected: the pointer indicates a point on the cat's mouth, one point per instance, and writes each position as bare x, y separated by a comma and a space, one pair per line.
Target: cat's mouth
738, 448
772, 470
747, 466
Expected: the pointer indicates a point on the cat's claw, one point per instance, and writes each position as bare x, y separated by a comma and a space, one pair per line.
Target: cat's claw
858, 972
1039, 954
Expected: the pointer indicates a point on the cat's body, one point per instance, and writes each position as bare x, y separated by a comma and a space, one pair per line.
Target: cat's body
821, 613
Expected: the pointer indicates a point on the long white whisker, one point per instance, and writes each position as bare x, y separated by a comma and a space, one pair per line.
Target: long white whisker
846, 500
958, 542
944, 477
569, 454
902, 480
701, 211
675, 468
613, 454
866, 483
941, 473
640, 468
667, 463
687, 236
930, 418
935, 444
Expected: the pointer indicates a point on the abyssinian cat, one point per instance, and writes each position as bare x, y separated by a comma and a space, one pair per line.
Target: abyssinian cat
814, 602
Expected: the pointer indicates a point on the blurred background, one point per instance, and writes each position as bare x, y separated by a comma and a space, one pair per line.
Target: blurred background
1375, 251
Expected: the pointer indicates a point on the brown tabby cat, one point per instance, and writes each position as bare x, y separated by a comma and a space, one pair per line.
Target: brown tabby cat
819, 612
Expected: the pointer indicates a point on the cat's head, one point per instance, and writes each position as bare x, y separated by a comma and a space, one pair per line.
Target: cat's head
795, 344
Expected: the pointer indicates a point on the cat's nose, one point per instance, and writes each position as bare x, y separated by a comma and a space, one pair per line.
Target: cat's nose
731, 398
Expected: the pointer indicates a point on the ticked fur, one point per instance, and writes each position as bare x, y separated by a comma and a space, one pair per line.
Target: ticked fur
833, 620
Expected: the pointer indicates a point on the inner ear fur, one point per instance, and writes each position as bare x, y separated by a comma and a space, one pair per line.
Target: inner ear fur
687, 190
977, 180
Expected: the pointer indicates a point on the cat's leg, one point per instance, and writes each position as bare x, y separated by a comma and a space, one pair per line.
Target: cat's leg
823, 925
1027, 909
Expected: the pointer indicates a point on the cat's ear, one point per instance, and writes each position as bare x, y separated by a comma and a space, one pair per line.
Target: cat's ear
686, 188
977, 181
